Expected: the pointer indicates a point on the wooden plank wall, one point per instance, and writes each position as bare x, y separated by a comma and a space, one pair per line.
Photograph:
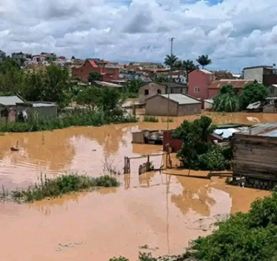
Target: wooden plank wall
255, 156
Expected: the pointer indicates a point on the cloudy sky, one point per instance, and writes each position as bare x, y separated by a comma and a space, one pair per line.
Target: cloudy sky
235, 33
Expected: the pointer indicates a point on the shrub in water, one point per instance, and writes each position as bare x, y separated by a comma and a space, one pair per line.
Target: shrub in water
88, 118
212, 160
150, 119
62, 185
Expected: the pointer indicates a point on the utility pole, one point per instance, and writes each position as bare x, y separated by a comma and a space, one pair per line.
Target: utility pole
171, 45
168, 88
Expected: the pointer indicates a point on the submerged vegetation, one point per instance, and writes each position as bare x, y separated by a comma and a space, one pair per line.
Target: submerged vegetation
76, 118
49, 188
150, 119
243, 237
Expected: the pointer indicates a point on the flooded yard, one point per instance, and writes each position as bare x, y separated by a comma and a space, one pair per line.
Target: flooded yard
154, 211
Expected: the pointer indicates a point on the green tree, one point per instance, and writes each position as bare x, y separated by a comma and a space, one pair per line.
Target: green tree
194, 136
227, 100
109, 100
185, 66
171, 61
250, 236
89, 96
204, 60
94, 76
251, 93
51, 84
133, 86
11, 77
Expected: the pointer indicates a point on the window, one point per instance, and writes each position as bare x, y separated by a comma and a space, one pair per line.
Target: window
159, 91
146, 92
196, 90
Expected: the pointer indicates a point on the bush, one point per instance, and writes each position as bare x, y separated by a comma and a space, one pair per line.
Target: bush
195, 140
150, 119
227, 100
250, 236
88, 118
121, 258
212, 160
62, 185
253, 93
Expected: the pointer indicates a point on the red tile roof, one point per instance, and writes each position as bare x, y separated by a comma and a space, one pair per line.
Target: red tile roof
237, 84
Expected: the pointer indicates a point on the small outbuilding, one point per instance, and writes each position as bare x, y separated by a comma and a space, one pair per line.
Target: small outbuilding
172, 105
40, 110
8, 107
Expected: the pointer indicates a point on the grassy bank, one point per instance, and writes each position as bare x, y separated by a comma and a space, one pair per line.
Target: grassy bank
89, 118
50, 188
251, 236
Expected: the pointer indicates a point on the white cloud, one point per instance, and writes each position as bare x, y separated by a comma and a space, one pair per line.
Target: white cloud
234, 33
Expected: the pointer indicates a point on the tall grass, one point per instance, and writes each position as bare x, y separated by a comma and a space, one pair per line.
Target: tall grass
150, 119
49, 188
88, 118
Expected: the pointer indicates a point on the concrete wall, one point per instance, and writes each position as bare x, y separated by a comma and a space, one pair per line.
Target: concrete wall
253, 74
174, 144
189, 109
208, 105
268, 80
212, 93
44, 113
198, 84
177, 90
158, 106
152, 89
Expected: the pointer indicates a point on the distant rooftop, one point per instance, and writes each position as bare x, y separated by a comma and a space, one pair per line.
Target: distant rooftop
43, 104
236, 83
108, 84
180, 98
259, 66
205, 71
10, 100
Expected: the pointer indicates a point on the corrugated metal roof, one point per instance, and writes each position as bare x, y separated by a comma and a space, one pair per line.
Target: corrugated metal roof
108, 84
181, 98
265, 129
226, 133
43, 104
10, 100
272, 133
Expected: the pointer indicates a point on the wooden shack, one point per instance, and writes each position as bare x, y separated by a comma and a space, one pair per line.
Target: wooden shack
255, 155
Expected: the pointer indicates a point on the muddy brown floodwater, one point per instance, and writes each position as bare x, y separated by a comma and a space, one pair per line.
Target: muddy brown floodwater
155, 210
